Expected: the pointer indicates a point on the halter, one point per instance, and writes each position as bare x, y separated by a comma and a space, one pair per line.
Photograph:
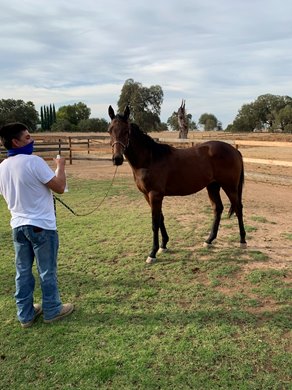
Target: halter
119, 142
124, 146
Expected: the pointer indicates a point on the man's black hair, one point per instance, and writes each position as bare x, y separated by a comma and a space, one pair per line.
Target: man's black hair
11, 131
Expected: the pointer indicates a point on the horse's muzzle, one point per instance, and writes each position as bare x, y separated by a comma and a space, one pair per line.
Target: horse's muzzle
118, 159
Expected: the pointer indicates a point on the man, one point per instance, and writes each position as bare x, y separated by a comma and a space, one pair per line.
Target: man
26, 183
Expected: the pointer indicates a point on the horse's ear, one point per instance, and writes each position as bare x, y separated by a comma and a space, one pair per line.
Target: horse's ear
127, 112
111, 112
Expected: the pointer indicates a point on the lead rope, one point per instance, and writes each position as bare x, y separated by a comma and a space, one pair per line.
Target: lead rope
90, 212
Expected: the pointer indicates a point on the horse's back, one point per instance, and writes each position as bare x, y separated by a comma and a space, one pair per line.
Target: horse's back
207, 162
211, 152
222, 151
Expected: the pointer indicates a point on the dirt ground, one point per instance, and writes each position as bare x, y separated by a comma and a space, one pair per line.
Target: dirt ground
267, 204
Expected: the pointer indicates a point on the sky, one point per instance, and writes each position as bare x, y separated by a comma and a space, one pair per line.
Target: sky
216, 55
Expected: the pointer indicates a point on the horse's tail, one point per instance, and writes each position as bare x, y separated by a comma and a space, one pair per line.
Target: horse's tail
240, 188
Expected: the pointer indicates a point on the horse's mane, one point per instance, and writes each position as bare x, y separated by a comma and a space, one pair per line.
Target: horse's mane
158, 150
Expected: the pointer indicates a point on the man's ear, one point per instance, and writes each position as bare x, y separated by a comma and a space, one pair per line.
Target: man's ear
15, 143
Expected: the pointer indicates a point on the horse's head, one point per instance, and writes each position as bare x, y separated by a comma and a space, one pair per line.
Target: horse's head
119, 130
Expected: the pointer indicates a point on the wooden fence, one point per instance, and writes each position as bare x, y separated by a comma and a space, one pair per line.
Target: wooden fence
70, 147
97, 147
265, 144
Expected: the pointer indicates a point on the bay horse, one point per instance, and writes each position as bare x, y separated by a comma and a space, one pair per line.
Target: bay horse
162, 170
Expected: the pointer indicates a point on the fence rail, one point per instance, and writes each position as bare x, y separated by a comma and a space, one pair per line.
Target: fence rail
97, 147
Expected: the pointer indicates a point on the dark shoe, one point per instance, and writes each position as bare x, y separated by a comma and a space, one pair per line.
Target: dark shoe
66, 310
37, 312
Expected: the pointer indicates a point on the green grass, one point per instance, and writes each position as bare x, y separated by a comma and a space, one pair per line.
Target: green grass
250, 229
197, 319
257, 218
288, 236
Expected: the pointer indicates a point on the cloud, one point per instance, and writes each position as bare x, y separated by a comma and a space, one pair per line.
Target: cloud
217, 56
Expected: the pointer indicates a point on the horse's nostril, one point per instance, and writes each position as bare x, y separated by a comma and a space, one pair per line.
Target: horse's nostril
118, 160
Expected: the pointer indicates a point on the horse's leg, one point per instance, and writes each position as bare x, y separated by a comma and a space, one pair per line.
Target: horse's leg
155, 200
164, 235
216, 202
236, 206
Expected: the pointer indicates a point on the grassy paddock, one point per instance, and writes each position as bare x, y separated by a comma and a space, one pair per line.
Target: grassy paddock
197, 319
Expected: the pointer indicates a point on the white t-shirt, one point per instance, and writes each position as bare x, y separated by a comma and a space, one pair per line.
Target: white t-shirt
22, 184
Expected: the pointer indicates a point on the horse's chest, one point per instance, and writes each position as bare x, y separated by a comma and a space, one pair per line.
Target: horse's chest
144, 180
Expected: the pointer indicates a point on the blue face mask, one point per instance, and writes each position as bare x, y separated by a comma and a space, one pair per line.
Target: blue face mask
27, 149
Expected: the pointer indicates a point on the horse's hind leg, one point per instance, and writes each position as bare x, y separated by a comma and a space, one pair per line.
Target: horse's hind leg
236, 207
216, 202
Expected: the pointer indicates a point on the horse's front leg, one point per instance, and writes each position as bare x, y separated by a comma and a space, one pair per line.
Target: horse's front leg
155, 201
164, 235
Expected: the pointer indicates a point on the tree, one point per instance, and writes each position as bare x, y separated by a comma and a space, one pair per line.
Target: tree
246, 119
48, 117
172, 122
162, 127
283, 119
18, 111
145, 104
63, 125
209, 121
262, 113
74, 113
219, 126
93, 125
267, 106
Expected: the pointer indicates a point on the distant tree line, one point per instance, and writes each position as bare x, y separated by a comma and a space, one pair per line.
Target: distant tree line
268, 112
18, 111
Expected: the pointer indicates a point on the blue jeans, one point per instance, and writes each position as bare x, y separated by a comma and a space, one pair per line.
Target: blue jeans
33, 242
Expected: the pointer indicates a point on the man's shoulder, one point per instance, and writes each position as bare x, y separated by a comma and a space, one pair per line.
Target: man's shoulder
36, 159
25, 157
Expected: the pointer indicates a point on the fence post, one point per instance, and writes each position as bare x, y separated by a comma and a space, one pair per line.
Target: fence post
88, 146
70, 151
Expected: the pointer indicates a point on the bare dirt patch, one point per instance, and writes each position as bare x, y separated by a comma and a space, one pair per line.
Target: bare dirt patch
269, 208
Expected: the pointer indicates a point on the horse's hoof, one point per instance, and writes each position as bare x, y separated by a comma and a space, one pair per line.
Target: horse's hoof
151, 260
162, 250
207, 245
243, 245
